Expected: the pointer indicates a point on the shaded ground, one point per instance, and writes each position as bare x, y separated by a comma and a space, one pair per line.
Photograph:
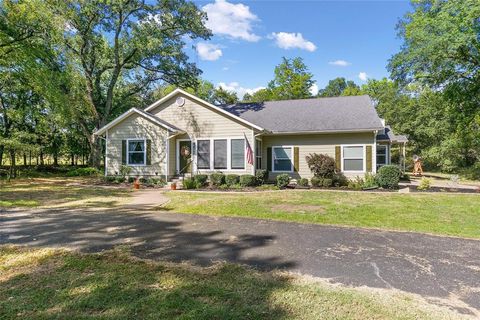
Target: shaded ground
442, 269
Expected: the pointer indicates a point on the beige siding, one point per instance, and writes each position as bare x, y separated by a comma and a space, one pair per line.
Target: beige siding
201, 122
313, 143
137, 127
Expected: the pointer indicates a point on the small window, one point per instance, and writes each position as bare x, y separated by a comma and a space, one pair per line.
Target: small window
353, 157
282, 159
203, 154
381, 155
136, 152
238, 153
220, 154
258, 154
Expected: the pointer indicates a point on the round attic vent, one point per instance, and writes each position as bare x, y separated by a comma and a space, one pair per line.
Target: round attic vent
180, 101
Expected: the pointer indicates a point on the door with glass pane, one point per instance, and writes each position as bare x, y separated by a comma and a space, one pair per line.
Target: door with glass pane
184, 156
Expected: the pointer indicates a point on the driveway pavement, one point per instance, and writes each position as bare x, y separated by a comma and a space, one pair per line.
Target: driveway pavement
438, 268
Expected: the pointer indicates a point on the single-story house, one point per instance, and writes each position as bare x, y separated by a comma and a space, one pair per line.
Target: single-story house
183, 134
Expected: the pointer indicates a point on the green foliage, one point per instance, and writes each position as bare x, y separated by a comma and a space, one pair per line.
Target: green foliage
356, 183
370, 181
201, 179
316, 182
189, 183
131, 179
248, 180
125, 170
231, 179
425, 184
321, 165
327, 182
223, 96
80, 172
339, 87
217, 179
389, 176
303, 182
261, 175
340, 180
109, 179
292, 80
119, 179
283, 180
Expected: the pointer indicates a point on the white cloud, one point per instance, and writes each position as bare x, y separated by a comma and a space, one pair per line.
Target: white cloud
235, 86
363, 76
208, 51
340, 63
287, 40
314, 89
233, 20
225, 68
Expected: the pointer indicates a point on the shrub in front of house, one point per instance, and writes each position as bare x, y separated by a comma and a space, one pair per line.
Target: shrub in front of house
155, 182
303, 182
356, 183
131, 179
321, 165
189, 183
389, 176
248, 180
370, 181
262, 176
316, 182
119, 179
425, 184
232, 179
283, 180
327, 182
217, 179
201, 179
339, 180
142, 180
109, 179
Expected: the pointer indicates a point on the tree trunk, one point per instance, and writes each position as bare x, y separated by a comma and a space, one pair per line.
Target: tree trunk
13, 166
72, 159
24, 159
41, 158
1, 155
95, 152
55, 159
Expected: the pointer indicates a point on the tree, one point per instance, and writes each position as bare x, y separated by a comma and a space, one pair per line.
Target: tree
222, 96
203, 89
338, 87
441, 51
292, 80
259, 96
117, 49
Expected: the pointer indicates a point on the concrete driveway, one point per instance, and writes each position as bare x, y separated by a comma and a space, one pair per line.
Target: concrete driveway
438, 268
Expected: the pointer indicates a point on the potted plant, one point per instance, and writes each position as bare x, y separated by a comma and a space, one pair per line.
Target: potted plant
173, 186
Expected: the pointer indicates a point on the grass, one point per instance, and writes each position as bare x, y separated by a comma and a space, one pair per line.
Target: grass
54, 283
443, 214
52, 192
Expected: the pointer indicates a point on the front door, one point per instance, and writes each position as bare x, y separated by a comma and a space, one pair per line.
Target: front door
184, 156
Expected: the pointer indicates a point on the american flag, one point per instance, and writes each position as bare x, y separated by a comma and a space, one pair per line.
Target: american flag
249, 151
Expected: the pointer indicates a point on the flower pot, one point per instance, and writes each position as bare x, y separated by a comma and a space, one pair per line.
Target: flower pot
173, 186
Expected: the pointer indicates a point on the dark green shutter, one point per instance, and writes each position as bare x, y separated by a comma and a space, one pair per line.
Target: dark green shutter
369, 158
124, 151
269, 159
338, 158
149, 152
296, 159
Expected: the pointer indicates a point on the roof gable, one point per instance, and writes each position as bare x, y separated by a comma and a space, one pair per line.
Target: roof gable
204, 104
143, 114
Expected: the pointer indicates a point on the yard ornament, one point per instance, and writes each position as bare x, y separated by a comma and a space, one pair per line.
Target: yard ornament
417, 166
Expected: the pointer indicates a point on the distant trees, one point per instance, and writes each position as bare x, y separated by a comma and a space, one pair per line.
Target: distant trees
339, 87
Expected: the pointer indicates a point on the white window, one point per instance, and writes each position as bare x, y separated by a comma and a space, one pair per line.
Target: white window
258, 154
220, 154
203, 154
353, 158
237, 153
136, 152
282, 158
381, 155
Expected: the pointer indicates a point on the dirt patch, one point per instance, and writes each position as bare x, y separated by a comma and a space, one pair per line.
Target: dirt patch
298, 208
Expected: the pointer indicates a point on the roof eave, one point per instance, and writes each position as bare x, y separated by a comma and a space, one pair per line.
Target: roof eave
323, 131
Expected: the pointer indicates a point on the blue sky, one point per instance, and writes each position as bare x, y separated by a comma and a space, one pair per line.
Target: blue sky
351, 39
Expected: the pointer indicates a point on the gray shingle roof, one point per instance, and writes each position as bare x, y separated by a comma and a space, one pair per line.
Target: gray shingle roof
354, 113
390, 136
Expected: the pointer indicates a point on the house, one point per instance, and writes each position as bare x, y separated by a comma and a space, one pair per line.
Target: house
183, 134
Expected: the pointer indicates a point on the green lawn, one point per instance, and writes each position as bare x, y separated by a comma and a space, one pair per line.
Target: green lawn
51, 192
445, 214
57, 284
